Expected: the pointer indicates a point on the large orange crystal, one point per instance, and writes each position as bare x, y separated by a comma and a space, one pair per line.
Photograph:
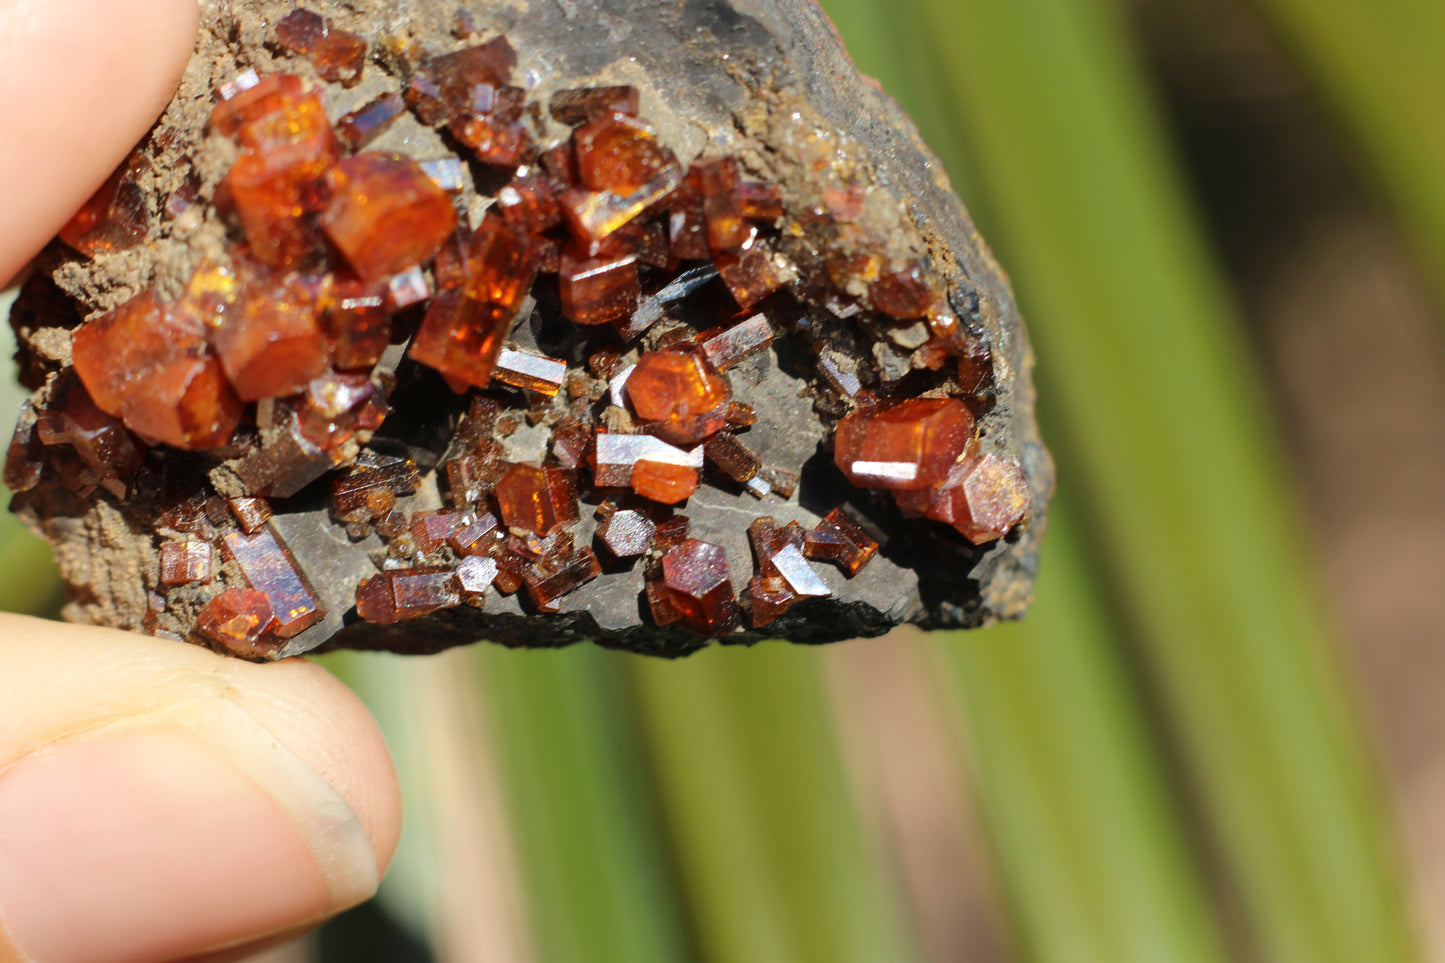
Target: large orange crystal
151, 368
386, 214
910, 445
680, 395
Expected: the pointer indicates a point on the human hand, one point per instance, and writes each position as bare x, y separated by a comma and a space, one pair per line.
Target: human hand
157, 801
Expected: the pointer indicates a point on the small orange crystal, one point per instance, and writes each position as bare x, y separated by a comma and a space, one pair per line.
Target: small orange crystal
537, 499
681, 396
619, 153
983, 498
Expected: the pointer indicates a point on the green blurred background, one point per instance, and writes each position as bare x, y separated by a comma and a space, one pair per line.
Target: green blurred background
1219, 734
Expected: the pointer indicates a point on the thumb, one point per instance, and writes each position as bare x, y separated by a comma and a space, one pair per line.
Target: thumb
80, 81
159, 801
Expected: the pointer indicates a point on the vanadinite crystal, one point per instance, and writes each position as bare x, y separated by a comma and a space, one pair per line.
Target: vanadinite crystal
403, 341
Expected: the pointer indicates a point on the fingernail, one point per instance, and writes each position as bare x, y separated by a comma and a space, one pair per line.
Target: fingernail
170, 839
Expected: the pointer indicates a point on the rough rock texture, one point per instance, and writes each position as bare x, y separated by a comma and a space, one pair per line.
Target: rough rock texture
764, 80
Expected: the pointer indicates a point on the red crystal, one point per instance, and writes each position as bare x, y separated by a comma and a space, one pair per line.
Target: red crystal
751, 275
269, 567
758, 201
240, 620
430, 530
682, 397
100, 439
340, 57
546, 587
537, 499
272, 346
904, 293
409, 593
300, 31
151, 368
251, 513
359, 324
443, 89
578, 105
695, 582
530, 371
838, 539
494, 140
983, 498
771, 597
367, 123
529, 202
717, 182
599, 289
620, 154
910, 445
114, 219
385, 214
593, 216
185, 562
735, 459
741, 341
627, 533
479, 537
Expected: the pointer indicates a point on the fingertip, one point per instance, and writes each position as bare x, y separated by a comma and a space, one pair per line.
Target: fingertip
332, 731
175, 800
80, 83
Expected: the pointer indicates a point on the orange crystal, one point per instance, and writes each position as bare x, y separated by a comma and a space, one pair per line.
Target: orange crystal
151, 368
695, 582
619, 153
537, 499
983, 498
239, 620
599, 289
273, 345
911, 445
681, 396
664, 482
386, 214
275, 185
114, 219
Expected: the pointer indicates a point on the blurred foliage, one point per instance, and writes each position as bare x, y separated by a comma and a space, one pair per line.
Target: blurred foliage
1164, 757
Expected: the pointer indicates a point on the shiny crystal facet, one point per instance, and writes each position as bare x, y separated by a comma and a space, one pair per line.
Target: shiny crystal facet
911, 445
269, 567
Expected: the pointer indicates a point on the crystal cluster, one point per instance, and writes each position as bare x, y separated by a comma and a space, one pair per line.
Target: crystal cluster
348, 270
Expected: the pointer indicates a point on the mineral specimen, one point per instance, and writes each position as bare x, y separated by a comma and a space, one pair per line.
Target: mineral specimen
394, 339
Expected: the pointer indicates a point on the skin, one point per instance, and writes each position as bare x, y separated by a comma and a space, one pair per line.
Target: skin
157, 801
